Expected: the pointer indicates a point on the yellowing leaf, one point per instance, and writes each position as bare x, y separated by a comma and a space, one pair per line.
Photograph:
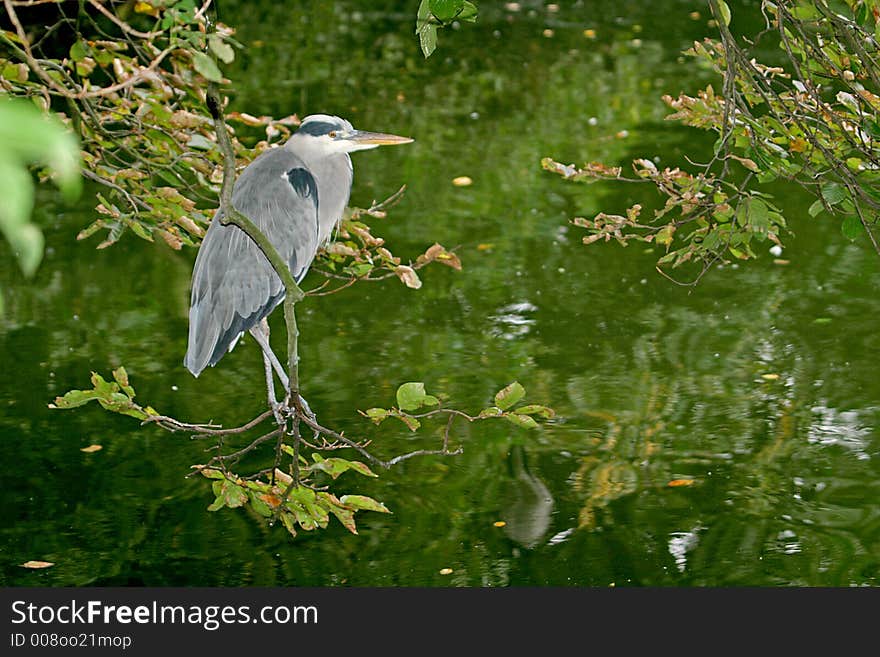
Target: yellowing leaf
509, 395
146, 8
446, 571
37, 564
462, 181
91, 448
681, 482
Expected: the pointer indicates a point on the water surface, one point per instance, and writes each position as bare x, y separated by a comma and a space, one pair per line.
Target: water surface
652, 382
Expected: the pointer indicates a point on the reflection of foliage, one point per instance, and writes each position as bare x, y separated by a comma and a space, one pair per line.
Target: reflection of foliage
812, 120
721, 455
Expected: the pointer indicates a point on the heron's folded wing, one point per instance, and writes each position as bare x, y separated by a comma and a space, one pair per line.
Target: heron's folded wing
234, 285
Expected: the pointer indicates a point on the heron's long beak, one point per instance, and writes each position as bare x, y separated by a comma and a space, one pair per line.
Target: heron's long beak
377, 138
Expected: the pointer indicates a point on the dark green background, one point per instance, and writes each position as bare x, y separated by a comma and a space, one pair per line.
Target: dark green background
652, 382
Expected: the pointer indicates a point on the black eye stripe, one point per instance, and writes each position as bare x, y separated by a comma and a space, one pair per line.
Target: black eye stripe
317, 128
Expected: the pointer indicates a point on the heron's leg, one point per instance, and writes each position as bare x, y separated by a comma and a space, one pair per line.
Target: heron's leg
261, 335
270, 389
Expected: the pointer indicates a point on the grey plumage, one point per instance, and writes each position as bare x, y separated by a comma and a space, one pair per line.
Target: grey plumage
296, 195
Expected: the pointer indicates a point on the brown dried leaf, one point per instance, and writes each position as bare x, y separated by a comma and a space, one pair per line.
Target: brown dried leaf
170, 238
184, 119
339, 248
408, 276
37, 564
190, 226
248, 119
272, 500
91, 448
366, 236
438, 253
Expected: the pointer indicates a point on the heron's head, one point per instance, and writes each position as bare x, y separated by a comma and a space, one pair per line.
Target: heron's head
331, 134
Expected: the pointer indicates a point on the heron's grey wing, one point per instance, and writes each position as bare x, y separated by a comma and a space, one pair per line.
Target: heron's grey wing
234, 287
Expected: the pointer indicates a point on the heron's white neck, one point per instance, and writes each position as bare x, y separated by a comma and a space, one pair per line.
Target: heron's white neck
333, 175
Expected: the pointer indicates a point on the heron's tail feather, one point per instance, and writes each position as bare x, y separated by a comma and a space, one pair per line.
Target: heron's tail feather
210, 340
202, 342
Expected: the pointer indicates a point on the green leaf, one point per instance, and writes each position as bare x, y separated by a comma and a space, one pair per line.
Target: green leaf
231, 494
851, 227
524, 421
377, 414
492, 411
468, 12
412, 396
664, 235
426, 29
509, 395
121, 377
758, 215
79, 51
361, 468
342, 513
107, 394
537, 409
816, 208
363, 503
725, 12
833, 193
211, 473
217, 504
206, 66
336, 466
200, 142
289, 522
219, 47
27, 135
259, 505
74, 398
445, 10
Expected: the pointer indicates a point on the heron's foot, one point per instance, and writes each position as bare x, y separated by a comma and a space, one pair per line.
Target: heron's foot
279, 411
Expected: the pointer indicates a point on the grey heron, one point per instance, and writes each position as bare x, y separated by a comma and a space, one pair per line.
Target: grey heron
296, 195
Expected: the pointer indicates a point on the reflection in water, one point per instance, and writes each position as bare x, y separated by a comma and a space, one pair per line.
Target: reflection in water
680, 543
511, 321
652, 383
528, 514
843, 428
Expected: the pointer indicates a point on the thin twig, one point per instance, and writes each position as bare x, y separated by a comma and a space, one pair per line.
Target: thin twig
122, 25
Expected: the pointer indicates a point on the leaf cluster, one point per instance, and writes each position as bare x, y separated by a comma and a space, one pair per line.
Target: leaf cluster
812, 120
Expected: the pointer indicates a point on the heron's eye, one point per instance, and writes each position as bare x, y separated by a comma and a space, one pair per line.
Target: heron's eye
332, 134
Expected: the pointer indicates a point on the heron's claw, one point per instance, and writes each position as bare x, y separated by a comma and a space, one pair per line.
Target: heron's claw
278, 411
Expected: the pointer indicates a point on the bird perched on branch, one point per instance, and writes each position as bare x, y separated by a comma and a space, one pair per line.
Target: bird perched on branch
296, 195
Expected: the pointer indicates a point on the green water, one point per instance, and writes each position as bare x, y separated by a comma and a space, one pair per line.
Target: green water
651, 382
